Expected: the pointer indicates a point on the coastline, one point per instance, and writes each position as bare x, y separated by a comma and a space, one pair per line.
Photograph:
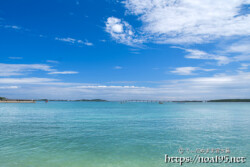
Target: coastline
5, 100
18, 101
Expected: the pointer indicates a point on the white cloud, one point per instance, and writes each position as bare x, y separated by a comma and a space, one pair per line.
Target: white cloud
217, 86
244, 66
122, 82
118, 68
21, 69
189, 21
239, 48
184, 70
12, 27
189, 70
233, 52
32, 80
105, 86
238, 81
121, 31
74, 41
88, 43
103, 40
52, 61
117, 28
70, 40
9, 87
198, 54
214, 87
63, 72
18, 69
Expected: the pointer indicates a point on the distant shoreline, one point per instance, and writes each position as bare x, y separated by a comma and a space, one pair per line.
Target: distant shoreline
5, 100
18, 101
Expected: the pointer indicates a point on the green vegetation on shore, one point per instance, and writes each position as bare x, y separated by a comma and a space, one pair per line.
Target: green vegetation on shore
230, 100
3, 98
6, 99
187, 101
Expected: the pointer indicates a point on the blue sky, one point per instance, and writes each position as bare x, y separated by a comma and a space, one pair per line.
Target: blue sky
128, 49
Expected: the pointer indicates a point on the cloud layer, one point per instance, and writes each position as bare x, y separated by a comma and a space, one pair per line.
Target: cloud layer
189, 70
22, 69
18, 69
188, 21
63, 72
214, 87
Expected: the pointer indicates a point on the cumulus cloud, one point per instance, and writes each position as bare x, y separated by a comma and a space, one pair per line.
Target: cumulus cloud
189, 70
121, 31
188, 21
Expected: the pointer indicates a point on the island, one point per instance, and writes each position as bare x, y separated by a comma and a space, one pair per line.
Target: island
230, 100
6, 100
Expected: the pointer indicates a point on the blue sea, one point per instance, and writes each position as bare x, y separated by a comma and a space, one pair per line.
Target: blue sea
110, 134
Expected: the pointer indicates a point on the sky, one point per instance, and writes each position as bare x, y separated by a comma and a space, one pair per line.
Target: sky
125, 49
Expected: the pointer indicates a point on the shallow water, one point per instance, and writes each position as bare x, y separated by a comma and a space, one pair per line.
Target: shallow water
110, 134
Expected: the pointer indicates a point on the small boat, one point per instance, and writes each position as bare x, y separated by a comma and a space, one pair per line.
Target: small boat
160, 102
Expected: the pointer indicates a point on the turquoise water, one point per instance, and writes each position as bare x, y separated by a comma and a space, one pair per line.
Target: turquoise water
110, 134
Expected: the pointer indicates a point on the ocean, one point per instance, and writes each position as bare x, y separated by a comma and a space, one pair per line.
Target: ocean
110, 134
